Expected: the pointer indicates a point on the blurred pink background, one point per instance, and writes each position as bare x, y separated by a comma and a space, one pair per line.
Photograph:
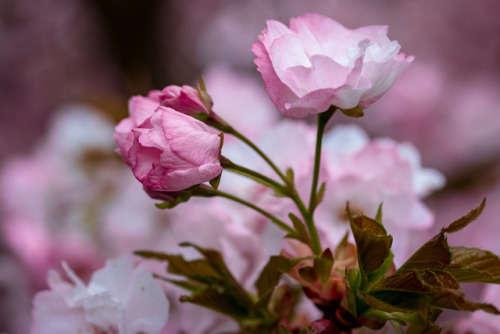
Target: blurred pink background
101, 52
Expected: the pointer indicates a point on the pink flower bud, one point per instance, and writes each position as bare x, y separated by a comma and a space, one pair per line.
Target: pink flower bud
167, 150
186, 100
140, 108
316, 63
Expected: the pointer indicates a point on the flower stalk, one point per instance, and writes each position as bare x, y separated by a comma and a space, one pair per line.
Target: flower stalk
203, 191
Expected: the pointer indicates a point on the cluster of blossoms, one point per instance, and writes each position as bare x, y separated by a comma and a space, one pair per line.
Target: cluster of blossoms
308, 198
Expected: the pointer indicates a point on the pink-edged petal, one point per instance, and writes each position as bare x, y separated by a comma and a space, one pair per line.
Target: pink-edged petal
277, 90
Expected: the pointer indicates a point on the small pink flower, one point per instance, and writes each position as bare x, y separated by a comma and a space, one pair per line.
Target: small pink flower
316, 63
167, 150
185, 99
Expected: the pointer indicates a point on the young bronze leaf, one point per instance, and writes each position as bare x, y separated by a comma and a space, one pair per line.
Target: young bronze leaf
323, 265
375, 276
455, 300
474, 265
424, 281
199, 270
213, 257
271, 274
434, 254
460, 223
373, 243
408, 281
218, 300
308, 274
377, 304
215, 260
409, 301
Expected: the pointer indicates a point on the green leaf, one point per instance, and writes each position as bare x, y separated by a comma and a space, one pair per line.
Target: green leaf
218, 300
372, 242
436, 288
323, 265
215, 260
460, 223
474, 265
378, 274
199, 270
352, 281
434, 254
355, 112
215, 181
290, 176
407, 281
271, 275
384, 311
319, 196
181, 198
378, 217
300, 228
186, 285
213, 257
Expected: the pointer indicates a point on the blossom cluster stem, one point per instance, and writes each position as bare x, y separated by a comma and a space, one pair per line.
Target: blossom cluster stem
288, 189
254, 147
208, 192
256, 176
308, 218
323, 119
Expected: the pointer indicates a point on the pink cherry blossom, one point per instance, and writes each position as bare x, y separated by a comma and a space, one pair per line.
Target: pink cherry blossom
185, 99
169, 151
317, 62
119, 299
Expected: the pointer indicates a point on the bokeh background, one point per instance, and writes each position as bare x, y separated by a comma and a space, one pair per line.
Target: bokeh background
56, 53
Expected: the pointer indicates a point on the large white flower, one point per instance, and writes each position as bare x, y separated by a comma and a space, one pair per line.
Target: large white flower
119, 299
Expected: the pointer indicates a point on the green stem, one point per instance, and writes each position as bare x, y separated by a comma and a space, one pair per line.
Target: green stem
208, 192
256, 176
247, 141
308, 218
323, 119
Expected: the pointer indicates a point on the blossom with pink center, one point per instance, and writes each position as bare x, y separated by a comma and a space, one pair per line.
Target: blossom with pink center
169, 151
374, 172
364, 172
316, 63
119, 299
